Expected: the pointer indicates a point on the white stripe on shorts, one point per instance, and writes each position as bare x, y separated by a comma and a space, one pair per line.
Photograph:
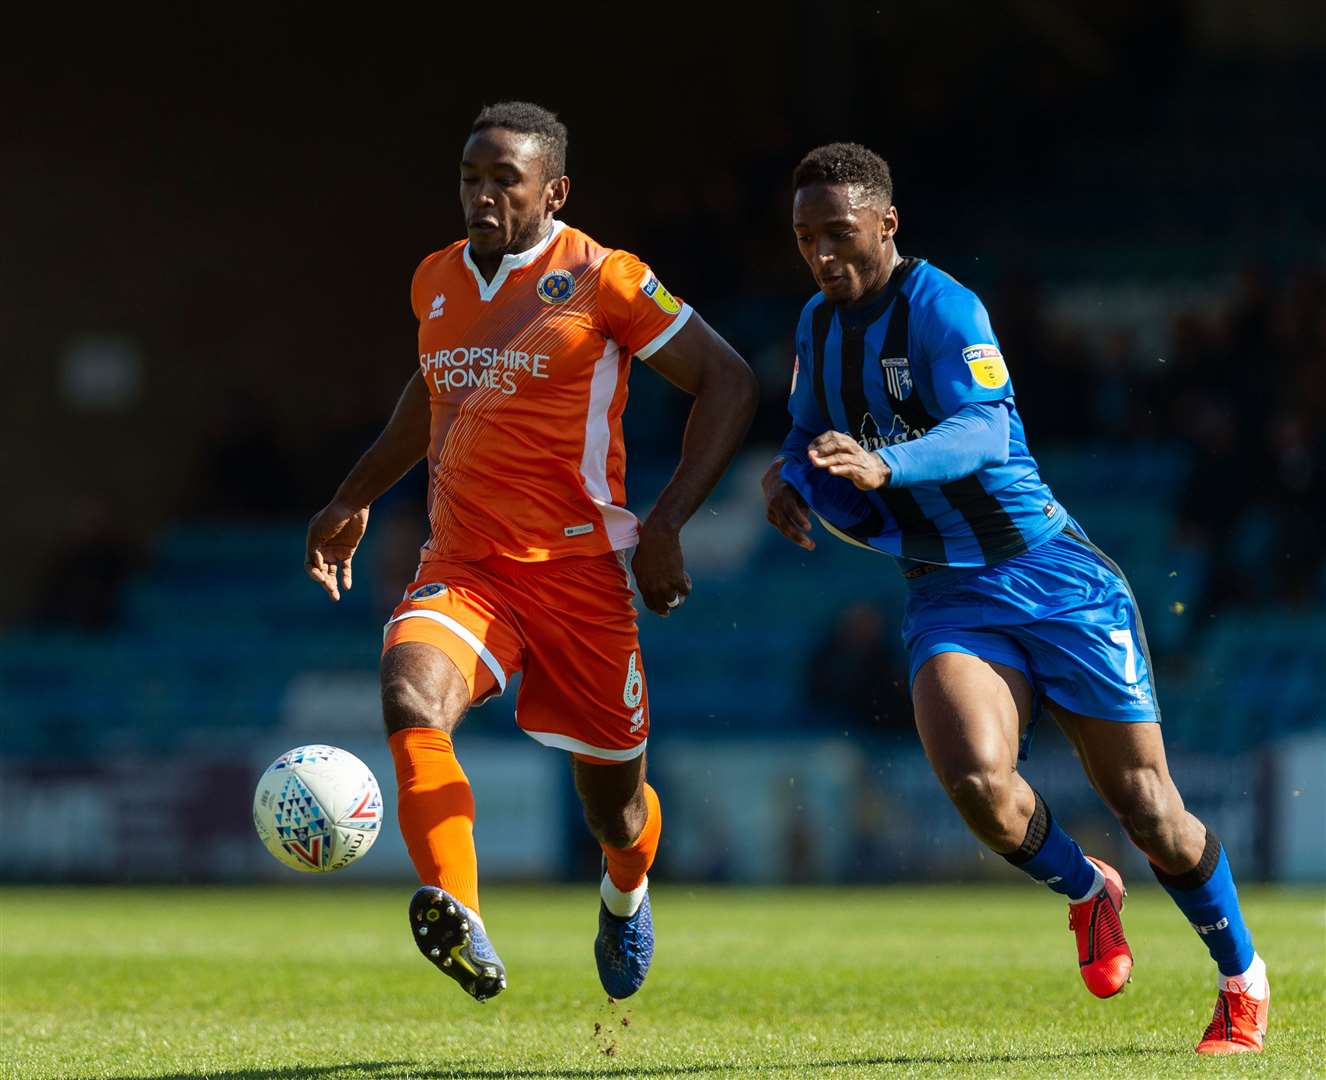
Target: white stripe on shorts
565, 742
465, 635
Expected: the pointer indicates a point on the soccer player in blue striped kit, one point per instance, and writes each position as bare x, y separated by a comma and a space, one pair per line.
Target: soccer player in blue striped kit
905, 440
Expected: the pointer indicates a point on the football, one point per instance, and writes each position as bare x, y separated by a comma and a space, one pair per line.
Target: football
317, 808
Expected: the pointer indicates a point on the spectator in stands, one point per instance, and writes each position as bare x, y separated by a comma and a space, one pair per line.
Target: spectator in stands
243, 472
82, 587
855, 679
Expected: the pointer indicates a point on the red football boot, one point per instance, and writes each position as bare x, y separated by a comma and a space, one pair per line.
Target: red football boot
1103, 955
1238, 1026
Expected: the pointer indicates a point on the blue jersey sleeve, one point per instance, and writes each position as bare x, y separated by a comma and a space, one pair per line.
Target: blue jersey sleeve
972, 438
963, 355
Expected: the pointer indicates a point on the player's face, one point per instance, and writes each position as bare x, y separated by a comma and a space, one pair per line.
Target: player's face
504, 193
844, 240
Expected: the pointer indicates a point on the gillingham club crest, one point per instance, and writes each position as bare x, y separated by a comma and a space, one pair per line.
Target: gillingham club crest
897, 376
556, 286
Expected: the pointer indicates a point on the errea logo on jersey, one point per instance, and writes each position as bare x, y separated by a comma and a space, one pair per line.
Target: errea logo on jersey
438, 301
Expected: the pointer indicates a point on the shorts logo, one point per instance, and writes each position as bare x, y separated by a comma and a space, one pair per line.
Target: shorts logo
987, 365
578, 530
637, 720
796, 370
427, 592
556, 286
897, 376
438, 301
653, 288
634, 692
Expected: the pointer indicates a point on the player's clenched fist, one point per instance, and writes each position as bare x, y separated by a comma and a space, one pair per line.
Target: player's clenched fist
784, 508
842, 455
659, 569
333, 535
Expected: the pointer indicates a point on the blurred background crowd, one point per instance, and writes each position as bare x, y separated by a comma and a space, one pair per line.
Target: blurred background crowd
211, 228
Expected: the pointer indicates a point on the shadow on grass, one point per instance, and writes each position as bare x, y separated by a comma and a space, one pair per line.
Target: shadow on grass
401, 1070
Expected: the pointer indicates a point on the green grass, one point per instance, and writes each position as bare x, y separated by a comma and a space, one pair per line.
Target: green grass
324, 982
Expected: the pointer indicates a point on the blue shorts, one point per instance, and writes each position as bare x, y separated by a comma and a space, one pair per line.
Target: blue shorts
1062, 614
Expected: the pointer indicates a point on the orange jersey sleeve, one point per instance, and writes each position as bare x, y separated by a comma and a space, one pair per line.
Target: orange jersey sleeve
637, 311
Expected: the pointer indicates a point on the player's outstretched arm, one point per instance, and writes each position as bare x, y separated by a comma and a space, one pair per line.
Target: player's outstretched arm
700, 362
335, 531
972, 438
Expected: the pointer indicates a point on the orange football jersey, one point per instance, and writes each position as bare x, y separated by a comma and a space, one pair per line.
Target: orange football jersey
526, 378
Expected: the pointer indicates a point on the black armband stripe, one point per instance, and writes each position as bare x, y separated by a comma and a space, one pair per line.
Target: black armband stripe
1038, 828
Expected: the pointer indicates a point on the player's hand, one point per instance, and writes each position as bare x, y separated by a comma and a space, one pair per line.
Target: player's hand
842, 455
333, 535
785, 508
660, 569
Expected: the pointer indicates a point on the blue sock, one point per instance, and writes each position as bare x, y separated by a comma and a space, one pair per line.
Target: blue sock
1052, 857
1208, 899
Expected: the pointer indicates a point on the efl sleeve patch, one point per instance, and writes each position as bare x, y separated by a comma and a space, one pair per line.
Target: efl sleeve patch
653, 288
986, 364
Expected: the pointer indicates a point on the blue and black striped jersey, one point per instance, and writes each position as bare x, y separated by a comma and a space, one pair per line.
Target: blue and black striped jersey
889, 372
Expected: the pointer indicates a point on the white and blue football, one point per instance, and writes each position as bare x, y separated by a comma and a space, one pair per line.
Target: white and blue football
317, 808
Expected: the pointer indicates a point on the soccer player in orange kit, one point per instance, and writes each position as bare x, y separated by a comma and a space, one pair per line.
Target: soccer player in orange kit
526, 333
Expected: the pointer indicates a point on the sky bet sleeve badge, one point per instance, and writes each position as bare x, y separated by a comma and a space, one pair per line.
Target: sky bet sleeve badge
987, 365
653, 288
556, 286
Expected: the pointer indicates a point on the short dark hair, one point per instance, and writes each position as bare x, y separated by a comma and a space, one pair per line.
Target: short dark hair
526, 118
846, 163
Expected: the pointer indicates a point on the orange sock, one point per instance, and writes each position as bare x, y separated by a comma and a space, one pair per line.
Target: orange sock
436, 810
628, 866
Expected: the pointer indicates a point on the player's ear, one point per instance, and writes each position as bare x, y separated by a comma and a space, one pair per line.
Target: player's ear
557, 191
888, 222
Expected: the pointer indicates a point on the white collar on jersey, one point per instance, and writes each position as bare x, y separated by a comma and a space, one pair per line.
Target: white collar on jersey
488, 289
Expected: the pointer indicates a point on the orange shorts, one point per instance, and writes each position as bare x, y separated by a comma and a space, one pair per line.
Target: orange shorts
568, 623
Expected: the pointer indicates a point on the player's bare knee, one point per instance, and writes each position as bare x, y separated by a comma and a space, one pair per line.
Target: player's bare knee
978, 790
987, 800
405, 706
417, 690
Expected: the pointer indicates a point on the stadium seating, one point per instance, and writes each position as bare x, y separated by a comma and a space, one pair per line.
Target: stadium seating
216, 630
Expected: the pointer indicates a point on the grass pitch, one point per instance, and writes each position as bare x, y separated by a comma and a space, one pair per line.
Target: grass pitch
302, 981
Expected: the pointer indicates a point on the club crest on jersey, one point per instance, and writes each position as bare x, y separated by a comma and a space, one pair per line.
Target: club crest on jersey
987, 365
556, 286
653, 288
427, 592
897, 376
